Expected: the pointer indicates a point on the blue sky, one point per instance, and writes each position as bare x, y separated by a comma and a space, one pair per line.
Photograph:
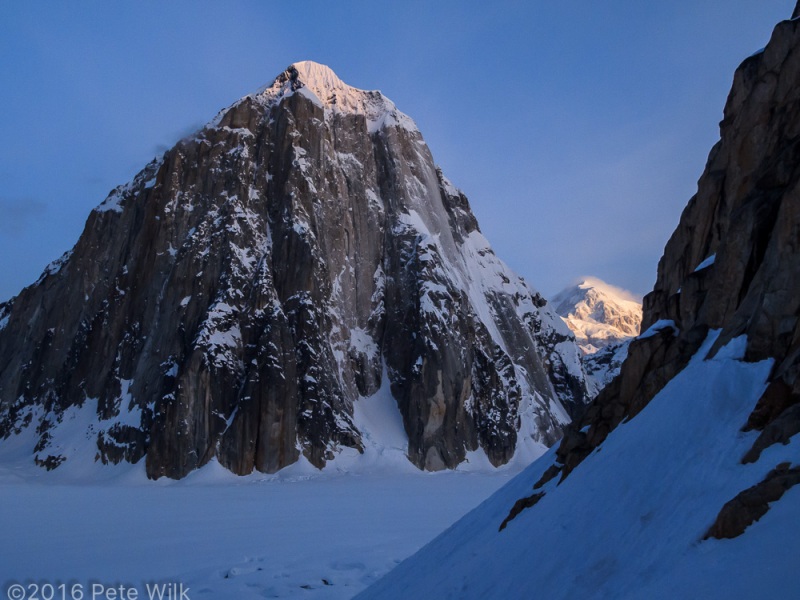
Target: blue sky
578, 129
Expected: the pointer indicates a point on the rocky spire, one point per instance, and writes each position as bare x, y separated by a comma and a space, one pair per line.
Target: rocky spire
240, 295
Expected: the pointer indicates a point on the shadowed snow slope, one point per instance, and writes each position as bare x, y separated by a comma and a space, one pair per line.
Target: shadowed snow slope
677, 480
628, 522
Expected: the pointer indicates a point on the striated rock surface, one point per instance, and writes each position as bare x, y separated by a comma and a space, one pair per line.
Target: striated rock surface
246, 289
733, 263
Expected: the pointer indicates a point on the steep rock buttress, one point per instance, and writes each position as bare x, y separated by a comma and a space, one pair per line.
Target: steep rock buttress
241, 294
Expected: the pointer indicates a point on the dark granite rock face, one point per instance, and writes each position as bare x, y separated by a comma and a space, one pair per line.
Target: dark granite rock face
732, 264
753, 503
239, 295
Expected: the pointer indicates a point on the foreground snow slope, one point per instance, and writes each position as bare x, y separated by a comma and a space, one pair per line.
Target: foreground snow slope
629, 521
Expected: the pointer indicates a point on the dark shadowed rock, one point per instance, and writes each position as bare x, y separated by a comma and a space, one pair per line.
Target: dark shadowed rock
238, 297
753, 503
519, 506
732, 264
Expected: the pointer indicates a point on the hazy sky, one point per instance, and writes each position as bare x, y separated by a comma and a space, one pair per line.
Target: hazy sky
578, 129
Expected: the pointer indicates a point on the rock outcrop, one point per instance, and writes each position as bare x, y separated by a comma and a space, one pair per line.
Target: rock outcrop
653, 471
732, 264
753, 503
241, 294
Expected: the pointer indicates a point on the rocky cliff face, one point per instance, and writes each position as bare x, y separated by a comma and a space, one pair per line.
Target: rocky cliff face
709, 400
246, 289
732, 264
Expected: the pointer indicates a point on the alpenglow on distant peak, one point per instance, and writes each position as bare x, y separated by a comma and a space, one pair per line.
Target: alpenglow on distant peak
598, 313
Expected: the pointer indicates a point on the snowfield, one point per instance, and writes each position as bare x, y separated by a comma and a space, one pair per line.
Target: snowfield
224, 537
301, 533
629, 521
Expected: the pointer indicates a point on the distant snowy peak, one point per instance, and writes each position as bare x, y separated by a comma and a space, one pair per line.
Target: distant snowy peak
322, 86
676, 481
599, 314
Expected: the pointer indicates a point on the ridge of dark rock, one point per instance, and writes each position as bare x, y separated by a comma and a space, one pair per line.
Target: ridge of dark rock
237, 298
732, 264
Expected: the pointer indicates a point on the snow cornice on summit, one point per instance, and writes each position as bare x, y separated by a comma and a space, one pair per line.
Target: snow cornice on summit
319, 84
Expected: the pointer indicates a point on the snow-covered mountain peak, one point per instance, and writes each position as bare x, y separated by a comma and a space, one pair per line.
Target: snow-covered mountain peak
320, 84
603, 287
299, 254
598, 313
321, 79
594, 287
